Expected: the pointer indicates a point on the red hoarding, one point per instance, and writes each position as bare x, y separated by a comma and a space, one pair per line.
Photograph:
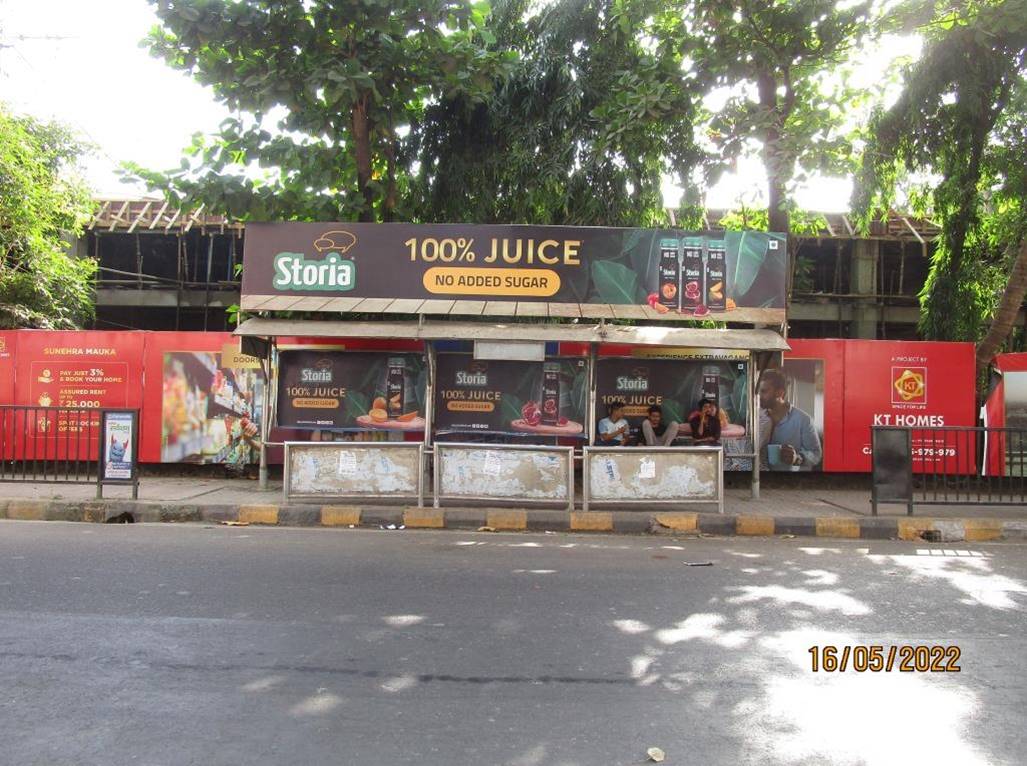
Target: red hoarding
87, 369
862, 383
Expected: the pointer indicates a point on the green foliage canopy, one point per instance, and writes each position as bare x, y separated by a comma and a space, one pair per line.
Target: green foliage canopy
323, 93
581, 131
960, 116
41, 202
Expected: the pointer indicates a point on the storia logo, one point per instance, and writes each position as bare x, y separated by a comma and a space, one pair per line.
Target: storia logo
909, 384
637, 381
476, 374
293, 271
321, 372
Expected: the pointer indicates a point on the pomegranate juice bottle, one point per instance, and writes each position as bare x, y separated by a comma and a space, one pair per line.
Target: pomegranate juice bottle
692, 274
550, 393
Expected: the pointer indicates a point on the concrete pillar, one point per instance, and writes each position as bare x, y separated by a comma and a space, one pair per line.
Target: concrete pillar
866, 255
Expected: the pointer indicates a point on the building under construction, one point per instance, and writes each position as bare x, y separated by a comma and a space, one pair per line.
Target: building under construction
161, 268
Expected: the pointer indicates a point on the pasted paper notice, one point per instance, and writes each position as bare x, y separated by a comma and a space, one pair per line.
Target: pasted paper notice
347, 463
612, 471
492, 467
647, 469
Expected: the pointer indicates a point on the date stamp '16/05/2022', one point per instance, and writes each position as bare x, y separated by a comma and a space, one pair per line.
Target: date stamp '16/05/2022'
878, 658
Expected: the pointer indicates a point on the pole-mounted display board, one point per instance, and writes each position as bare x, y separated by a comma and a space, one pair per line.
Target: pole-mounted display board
542, 271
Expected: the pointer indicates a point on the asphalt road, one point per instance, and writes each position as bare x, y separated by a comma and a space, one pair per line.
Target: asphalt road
140, 644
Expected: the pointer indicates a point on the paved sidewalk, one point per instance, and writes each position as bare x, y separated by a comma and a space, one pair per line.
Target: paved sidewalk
808, 502
809, 511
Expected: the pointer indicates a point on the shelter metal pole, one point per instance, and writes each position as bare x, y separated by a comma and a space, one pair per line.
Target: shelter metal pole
754, 428
593, 351
429, 417
206, 294
265, 419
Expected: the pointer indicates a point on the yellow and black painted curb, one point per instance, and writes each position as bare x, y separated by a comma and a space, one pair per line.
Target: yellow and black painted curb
619, 522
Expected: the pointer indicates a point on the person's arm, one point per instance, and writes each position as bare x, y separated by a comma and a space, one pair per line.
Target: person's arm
693, 423
606, 430
713, 428
809, 444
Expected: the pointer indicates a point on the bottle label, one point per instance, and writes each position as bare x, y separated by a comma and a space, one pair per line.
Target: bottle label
670, 277
395, 388
716, 280
691, 297
550, 394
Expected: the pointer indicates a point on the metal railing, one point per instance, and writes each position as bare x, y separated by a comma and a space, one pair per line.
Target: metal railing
949, 466
66, 445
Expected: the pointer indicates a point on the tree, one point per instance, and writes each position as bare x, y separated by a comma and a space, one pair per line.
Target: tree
778, 63
323, 93
582, 130
42, 201
956, 119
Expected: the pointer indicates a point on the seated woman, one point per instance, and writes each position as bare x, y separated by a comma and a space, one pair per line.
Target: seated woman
705, 424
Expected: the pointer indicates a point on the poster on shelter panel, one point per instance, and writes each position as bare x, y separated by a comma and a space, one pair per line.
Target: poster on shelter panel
354, 390
544, 399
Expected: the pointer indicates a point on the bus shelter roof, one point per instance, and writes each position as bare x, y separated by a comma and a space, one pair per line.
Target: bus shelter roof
637, 335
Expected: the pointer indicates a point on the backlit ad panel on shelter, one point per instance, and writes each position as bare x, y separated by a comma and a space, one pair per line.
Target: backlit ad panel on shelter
536, 271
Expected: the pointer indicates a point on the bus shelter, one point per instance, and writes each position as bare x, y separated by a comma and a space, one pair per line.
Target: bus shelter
511, 344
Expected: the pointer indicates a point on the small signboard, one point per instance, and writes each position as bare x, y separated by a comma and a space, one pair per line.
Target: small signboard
119, 449
892, 467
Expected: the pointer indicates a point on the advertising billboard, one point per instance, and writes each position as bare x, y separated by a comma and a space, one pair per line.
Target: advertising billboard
202, 405
547, 398
326, 389
845, 387
662, 273
679, 387
77, 369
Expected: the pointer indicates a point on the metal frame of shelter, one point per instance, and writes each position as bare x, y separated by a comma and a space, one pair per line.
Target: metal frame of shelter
763, 346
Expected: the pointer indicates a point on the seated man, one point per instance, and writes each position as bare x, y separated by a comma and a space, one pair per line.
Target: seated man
657, 433
614, 430
705, 424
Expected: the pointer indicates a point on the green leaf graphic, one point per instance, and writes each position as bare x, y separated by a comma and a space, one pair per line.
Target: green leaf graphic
354, 405
632, 240
645, 261
614, 282
750, 249
510, 409
579, 395
672, 411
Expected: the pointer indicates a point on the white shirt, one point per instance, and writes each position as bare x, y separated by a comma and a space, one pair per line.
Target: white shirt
607, 426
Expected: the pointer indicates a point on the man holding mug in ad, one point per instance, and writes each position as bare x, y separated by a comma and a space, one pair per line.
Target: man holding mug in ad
788, 439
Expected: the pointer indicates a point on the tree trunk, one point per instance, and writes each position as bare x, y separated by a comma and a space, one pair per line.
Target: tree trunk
1005, 314
362, 152
777, 215
389, 201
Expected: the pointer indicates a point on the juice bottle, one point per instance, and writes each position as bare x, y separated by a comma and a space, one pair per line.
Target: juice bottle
711, 383
692, 277
716, 276
669, 288
550, 399
394, 386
